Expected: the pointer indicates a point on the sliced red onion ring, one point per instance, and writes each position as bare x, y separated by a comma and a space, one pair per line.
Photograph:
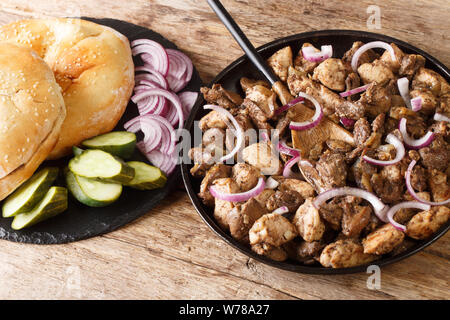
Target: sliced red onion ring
151, 75
271, 183
399, 148
287, 171
315, 120
371, 45
347, 122
310, 53
168, 95
404, 205
440, 117
188, 99
354, 91
281, 210
177, 67
416, 103
290, 105
238, 197
238, 130
403, 88
379, 207
413, 143
155, 54
187, 63
414, 194
283, 148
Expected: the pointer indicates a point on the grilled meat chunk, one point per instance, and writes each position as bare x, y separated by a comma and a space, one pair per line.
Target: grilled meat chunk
383, 240
308, 222
219, 96
216, 172
345, 254
222, 207
280, 61
425, 223
242, 217
376, 71
331, 73
245, 175
272, 229
289, 198
303, 65
261, 156
437, 154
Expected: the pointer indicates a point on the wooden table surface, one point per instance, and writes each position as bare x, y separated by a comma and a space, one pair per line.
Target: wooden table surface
170, 253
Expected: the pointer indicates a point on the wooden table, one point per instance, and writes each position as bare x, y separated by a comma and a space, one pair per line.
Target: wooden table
170, 253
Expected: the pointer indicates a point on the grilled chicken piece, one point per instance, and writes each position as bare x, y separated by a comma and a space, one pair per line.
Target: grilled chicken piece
351, 110
219, 96
410, 64
245, 175
425, 223
383, 240
212, 120
429, 101
328, 99
272, 252
376, 71
431, 80
302, 187
280, 61
377, 99
272, 229
222, 207
395, 64
437, 154
265, 98
242, 217
345, 254
440, 188
214, 136
303, 65
308, 222
389, 184
331, 73
289, 198
247, 83
216, 172
304, 252
444, 106
402, 216
261, 156
366, 57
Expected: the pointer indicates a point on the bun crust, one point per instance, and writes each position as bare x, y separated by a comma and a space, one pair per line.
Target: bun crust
31, 111
92, 64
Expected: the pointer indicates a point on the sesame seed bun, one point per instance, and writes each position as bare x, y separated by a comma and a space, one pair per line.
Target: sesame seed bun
92, 64
31, 115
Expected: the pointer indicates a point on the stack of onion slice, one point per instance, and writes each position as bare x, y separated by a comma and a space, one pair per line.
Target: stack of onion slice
164, 73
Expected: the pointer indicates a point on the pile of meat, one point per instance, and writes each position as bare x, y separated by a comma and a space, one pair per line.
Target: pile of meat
343, 232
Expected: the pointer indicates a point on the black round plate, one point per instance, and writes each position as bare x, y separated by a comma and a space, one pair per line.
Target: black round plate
341, 40
81, 222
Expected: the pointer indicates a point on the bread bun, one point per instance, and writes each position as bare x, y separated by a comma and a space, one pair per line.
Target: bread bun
31, 114
92, 64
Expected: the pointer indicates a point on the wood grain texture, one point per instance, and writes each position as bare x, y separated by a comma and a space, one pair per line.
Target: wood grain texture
170, 253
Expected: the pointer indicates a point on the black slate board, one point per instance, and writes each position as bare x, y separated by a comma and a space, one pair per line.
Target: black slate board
79, 221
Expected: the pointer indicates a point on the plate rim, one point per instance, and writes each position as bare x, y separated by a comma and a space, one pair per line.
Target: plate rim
299, 268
